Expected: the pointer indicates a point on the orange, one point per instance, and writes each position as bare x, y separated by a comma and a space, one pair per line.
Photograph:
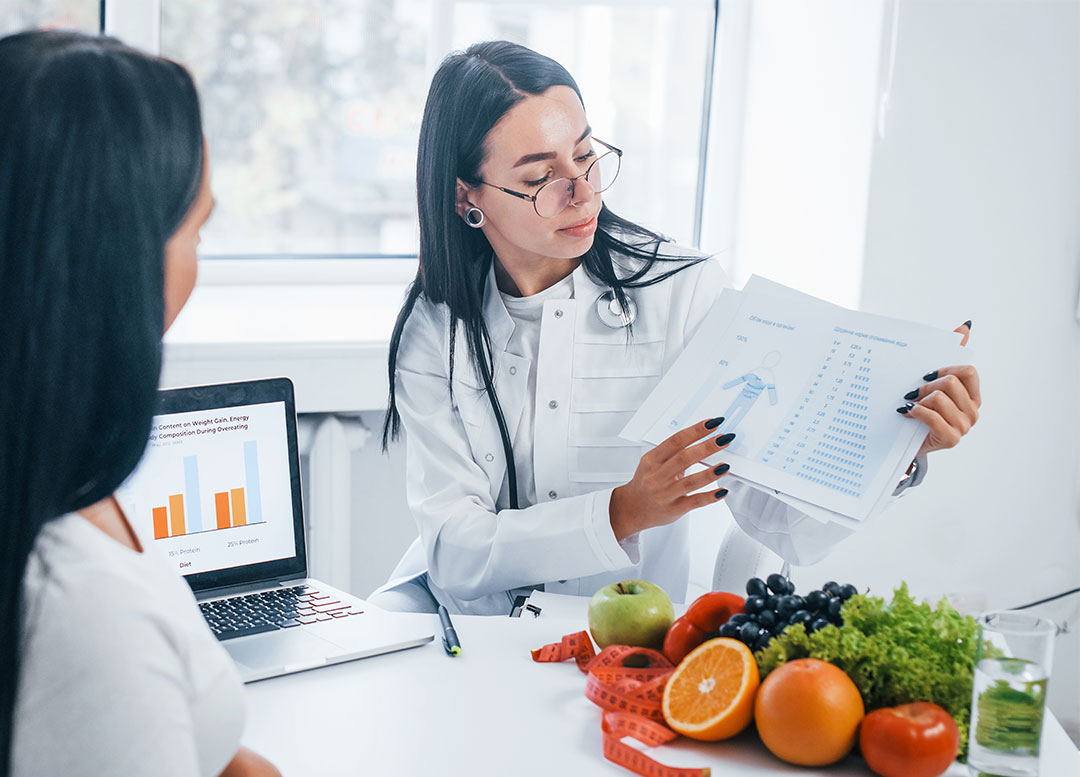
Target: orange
808, 712
710, 695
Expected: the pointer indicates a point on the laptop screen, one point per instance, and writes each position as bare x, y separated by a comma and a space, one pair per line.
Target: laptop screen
217, 491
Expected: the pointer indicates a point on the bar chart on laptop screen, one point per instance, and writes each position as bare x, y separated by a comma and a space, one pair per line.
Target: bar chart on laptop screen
182, 514
213, 488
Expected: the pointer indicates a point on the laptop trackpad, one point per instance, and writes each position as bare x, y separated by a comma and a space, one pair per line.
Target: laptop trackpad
281, 649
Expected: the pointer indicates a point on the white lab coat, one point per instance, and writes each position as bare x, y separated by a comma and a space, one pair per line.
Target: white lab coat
590, 380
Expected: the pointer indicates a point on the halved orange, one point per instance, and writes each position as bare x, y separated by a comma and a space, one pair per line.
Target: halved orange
710, 695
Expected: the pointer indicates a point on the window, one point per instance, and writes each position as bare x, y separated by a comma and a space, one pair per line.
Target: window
312, 112
642, 70
312, 109
18, 15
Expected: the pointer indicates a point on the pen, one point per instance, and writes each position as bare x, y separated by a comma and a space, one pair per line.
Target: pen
450, 640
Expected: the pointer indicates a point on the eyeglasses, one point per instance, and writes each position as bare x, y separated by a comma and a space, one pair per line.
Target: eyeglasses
555, 196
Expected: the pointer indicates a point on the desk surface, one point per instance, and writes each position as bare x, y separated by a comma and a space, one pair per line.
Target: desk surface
490, 711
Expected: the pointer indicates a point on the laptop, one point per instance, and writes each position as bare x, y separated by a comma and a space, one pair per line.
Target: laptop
217, 493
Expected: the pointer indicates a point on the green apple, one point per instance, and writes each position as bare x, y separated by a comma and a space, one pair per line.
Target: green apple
633, 612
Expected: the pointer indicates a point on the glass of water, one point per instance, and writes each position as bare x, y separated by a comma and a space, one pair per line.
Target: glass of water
1012, 665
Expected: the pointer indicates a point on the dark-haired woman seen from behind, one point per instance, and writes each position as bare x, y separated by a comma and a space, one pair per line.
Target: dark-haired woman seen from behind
107, 667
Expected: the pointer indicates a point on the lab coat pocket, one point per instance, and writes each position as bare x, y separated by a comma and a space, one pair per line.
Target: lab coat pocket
596, 453
618, 359
599, 429
604, 464
599, 395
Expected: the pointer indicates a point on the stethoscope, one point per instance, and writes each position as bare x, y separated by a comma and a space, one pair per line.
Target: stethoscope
614, 315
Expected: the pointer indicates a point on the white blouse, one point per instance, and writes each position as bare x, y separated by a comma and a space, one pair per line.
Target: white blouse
120, 674
525, 342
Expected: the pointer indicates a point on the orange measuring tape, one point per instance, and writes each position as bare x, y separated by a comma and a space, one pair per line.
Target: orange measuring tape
631, 697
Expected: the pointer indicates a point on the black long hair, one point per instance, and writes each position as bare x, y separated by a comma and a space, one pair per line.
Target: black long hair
101, 157
469, 93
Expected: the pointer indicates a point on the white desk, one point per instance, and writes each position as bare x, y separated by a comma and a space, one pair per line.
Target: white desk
491, 711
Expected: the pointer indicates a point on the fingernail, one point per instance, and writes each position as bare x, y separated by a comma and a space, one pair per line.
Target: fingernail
913, 394
721, 493
904, 410
968, 324
930, 375
724, 439
721, 469
712, 423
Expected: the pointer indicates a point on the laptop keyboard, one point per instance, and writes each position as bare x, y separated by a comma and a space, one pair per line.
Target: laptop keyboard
280, 608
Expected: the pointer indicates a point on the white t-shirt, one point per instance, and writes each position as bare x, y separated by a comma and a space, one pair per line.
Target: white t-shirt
527, 313
120, 674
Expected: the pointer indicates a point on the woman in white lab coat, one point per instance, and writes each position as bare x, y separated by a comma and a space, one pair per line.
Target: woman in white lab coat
537, 324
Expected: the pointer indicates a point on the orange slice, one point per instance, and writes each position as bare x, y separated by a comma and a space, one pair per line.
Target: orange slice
710, 695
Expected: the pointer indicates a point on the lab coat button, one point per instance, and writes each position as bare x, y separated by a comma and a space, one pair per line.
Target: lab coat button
489, 457
558, 314
513, 370
553, 404
553, 494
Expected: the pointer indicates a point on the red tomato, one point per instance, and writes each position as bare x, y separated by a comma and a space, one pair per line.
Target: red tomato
682, 637
711, 611
912, 740
708, 613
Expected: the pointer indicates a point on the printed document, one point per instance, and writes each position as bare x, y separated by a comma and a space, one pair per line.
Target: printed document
810, 390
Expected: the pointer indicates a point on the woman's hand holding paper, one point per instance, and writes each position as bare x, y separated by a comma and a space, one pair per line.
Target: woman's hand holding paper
948, 403
661, 492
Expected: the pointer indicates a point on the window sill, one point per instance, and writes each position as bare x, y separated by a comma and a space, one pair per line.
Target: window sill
325, 324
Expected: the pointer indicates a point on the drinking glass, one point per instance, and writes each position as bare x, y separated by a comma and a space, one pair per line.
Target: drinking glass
1012, 665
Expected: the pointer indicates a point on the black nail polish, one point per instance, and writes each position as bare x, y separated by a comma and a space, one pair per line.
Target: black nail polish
930, 375
721, 469
968, 324
712, 423
913, 394
721, 493
905, 409
724, 439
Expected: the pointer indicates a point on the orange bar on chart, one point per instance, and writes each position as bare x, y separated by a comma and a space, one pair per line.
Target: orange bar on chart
221, 502
239, 513
161, 523
176, 507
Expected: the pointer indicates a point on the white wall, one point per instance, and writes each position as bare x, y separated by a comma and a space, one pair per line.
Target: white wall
967, 208
973, 213
810, 74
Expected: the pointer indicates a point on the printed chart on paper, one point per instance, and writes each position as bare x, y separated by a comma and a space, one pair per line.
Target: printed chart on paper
809, 389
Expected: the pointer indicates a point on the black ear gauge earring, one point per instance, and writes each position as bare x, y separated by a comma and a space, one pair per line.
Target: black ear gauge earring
474, 217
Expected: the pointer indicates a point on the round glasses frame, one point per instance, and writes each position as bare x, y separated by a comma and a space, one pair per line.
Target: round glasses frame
572, 181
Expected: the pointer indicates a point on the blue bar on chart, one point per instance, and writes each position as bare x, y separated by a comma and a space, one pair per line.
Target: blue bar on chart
194, 502
251, 464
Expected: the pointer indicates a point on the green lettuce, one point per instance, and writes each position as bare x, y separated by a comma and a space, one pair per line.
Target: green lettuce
895, 653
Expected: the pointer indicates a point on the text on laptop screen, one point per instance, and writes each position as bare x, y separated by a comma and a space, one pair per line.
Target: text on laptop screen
212, 490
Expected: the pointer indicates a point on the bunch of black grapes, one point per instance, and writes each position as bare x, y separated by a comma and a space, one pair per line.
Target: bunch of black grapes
773, 605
